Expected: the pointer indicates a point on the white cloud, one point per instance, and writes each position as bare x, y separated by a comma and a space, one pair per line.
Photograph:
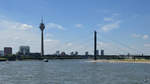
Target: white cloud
111, 26
99, 25
145, 37
24, 26
115, 14
112, 18
146, 45
54, 25
48, 35
50, 40
79, 25
14, 25
111, 23
103, 44
112, 48
69, 44
140, 36
136, 35
108, 19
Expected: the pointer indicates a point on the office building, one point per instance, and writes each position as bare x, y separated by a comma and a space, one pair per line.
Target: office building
7, 51
24, 50
102, 52
76, 53
1, 53
72, 53
97, 52
57, 53
86, 53
63, 53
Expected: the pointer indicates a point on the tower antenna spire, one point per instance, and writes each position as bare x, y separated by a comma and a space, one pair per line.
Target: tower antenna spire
42, 19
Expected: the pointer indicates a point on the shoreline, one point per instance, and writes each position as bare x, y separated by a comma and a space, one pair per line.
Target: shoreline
121, 61
89, 60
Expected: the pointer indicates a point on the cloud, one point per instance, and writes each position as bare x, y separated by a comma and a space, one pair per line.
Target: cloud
145, 37
15, 34
48, 35
111, 23
112, 17
24, 26
146, 45
108, 19
79, 25
115, 14
99, 25
69, 44
50, 40
136, 35
54, 25
103, 44
140, 36
14, 25
112, 48
111, 26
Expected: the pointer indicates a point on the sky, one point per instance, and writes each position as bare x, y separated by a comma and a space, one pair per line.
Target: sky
122, 25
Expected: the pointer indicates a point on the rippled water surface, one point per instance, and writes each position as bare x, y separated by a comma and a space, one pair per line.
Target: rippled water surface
73, 72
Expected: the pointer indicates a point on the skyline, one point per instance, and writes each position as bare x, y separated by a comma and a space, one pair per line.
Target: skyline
121, 25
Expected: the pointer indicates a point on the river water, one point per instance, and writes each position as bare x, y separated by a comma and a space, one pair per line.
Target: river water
73, 72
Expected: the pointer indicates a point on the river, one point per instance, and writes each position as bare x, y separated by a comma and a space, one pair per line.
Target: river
73, 71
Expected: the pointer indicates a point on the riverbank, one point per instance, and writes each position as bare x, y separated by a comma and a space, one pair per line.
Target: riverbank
122, 61
3, 59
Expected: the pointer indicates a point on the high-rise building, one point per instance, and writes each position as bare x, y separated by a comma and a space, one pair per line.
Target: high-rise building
57, 53
7, 51
72, 53
1, 53
86, 53
63, 53
102, 52
97, 52
24, 50
76, 53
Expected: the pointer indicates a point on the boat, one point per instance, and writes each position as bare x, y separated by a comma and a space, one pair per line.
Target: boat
45, 60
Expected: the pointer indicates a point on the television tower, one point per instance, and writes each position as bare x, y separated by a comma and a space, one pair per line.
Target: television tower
42, 27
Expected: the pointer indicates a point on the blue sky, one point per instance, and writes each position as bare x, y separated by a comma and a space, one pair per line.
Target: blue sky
122, 25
